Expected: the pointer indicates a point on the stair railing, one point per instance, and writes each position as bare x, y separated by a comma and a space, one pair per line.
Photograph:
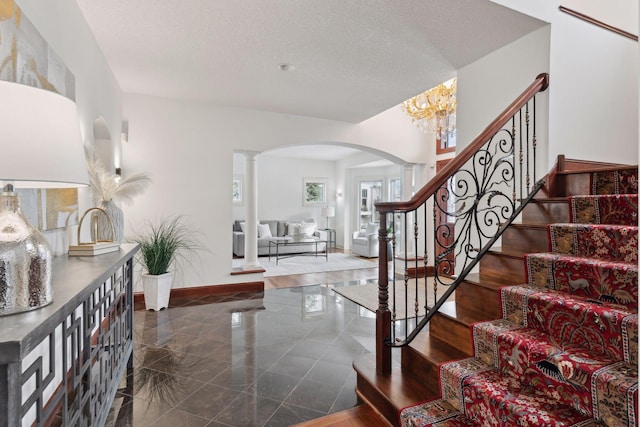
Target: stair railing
462, 212
598, 23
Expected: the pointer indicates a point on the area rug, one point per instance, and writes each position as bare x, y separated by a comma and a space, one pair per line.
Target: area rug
310, 264
367, 297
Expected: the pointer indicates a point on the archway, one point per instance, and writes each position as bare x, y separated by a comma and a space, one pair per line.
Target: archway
283, 171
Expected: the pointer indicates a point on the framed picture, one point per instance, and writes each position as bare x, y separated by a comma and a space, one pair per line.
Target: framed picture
237, 191
314, 192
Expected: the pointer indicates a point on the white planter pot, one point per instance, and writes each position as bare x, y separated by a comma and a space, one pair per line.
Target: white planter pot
157, 290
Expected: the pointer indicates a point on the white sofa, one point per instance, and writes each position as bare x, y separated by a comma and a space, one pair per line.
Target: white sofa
278, 229
365, 242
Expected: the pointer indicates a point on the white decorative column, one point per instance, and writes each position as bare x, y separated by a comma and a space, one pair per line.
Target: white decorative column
251, 230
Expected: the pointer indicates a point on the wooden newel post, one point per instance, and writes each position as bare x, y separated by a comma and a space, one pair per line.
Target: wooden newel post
383, 315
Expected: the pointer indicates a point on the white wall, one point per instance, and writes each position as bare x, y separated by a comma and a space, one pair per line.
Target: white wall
396, 134
487, 86
280, 184
97, 92
593, 102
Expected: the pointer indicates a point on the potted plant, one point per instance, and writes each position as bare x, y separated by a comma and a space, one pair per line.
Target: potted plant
162, 246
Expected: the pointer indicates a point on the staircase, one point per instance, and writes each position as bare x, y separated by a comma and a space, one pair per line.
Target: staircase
563, 350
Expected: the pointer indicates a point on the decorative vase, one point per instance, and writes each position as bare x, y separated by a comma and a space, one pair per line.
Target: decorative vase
117, 218
157, 290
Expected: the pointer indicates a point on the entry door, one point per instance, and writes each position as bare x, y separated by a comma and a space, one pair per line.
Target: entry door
445, 228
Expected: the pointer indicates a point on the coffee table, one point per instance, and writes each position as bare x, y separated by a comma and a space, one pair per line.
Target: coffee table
311, 249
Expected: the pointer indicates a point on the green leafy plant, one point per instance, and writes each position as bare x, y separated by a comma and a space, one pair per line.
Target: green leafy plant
168, 242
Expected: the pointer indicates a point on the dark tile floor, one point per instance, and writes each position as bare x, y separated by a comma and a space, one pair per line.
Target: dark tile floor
272, 359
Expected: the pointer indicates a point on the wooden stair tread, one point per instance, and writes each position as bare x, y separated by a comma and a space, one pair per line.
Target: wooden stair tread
460, 313
358, 416
598, 169
434, 349
527, 225
568, 163
556, 199
490, 282
398, 390
506, 253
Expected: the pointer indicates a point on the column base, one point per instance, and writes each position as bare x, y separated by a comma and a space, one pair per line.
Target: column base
251, 265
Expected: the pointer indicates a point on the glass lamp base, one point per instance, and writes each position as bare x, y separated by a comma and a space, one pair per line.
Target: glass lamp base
25, 261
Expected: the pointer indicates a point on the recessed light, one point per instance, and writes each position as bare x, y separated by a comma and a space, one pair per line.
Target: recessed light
286, 67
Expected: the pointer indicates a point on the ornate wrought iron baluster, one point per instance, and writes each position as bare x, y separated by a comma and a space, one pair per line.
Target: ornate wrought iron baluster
535, 140
521, 154
513, 149
425, 259
527, 140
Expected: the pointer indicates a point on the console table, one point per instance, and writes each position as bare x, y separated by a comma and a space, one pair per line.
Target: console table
65, 361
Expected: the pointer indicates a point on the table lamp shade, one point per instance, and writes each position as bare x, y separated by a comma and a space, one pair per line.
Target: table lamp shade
42, 148
329, 211
41, 141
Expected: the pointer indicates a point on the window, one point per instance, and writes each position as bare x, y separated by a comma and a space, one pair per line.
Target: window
370, 192
395, 190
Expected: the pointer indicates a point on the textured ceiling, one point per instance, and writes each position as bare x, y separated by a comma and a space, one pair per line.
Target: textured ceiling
353, 58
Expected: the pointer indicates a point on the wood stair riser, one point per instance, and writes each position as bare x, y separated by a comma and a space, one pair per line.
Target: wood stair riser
422, 357
526, 239
546, 212
451, 331
508, 268
421, 368
483, 300
571, 184
369, 393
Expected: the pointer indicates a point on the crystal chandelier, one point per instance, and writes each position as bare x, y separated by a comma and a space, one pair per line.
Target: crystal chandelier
434, 109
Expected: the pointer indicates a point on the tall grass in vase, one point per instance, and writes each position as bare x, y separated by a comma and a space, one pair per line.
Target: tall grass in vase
162, 246
108, 190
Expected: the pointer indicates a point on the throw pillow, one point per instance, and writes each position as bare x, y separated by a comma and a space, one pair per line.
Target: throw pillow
308, 228
243, 226
292, 229
264, 231
372, 228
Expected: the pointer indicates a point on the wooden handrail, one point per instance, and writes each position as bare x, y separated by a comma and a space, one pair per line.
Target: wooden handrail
598, 23
540, 84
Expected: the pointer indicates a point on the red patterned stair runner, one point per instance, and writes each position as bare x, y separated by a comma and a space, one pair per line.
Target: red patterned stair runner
618, 209
565, 352
604, 242
613, 282
615, 182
